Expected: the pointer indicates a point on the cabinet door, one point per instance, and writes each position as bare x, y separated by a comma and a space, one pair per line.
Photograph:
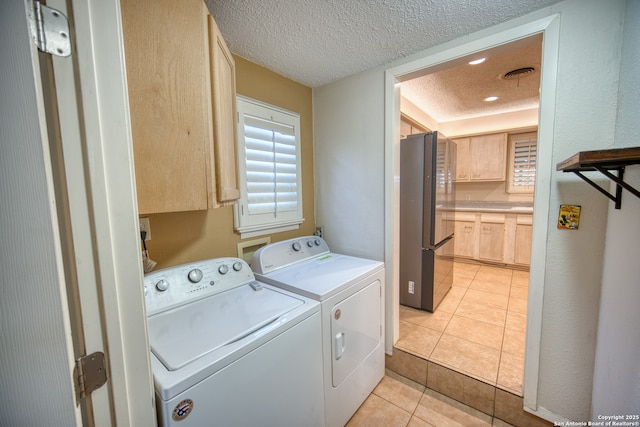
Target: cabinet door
523, 244
223, 95
465, 239
166, 56
491, 242
488, 157
463, 159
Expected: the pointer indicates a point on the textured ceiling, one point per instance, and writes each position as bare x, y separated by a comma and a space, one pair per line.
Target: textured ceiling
316, 42
458, 93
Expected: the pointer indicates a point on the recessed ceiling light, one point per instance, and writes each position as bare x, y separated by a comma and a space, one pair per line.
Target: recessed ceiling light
491, 98
477, 61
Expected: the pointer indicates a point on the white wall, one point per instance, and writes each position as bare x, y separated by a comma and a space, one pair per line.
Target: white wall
348, 164
616, 382
590, 36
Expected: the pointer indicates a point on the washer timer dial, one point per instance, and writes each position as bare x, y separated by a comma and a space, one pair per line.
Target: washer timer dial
195, 275
162, 285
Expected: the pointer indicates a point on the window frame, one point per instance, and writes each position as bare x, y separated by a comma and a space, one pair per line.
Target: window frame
257, 224
514, 139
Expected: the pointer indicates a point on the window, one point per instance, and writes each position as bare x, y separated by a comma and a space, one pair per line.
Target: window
523, 150
269, 166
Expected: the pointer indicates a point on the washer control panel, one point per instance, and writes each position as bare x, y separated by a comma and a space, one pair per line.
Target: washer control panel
281, 254
175, 286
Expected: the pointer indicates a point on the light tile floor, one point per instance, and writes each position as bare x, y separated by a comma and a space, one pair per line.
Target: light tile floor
478, 329
400, 402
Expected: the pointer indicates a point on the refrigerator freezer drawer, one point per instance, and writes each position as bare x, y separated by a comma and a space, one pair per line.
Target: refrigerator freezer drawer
431, 281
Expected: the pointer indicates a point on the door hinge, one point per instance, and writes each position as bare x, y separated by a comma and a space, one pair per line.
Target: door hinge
90, 374
49, 29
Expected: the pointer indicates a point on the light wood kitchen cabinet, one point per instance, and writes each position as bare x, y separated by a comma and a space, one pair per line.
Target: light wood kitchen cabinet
491, 238
481, 158
522, 253
223, 94
463, 159
496, 237
409, 127
465, 239
173, 93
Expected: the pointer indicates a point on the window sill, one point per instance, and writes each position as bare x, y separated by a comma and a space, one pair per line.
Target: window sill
261, 230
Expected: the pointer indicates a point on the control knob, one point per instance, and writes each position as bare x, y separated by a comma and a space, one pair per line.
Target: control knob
195, 275
162, 285
296, 246
310, 243
237, 266
223, 269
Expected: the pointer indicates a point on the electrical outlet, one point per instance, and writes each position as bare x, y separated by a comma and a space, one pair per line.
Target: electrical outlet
319, 231
412, 287
145, 226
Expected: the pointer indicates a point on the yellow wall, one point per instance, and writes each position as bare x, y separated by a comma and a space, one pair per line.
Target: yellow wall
183, 237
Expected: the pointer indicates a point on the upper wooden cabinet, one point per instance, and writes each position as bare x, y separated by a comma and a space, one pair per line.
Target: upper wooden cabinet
223, 95
174, 90
481, 158
409, 127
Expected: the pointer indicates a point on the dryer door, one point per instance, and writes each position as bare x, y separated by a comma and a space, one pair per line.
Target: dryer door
356, 330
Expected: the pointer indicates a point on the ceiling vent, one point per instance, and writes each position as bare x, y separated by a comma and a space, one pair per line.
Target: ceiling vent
518, 73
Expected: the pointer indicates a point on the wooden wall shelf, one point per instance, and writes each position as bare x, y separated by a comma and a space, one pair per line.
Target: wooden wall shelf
604, 161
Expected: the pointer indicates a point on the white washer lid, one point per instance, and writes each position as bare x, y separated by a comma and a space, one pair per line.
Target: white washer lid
322, 277
180, 336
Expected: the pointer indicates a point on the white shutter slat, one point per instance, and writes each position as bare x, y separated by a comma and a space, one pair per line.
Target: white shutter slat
271, 166
524, 163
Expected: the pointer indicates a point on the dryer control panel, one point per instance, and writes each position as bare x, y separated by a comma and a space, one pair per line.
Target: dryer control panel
175, 286
287, 252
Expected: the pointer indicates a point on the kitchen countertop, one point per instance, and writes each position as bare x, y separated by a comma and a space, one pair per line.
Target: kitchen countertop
504, 207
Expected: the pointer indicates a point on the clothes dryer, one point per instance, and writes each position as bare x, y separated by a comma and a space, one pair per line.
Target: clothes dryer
351, 293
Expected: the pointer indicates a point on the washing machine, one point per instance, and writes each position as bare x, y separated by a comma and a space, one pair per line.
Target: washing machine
228, 350
351, 293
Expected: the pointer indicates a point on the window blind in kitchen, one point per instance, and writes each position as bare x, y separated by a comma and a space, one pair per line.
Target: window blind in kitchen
270, 178
523, 158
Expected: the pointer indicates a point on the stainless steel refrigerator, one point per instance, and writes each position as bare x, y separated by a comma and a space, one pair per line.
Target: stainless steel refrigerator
427, 201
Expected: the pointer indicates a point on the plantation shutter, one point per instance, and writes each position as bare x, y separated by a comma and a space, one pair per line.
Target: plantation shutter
524, 158
271, 158
269, 165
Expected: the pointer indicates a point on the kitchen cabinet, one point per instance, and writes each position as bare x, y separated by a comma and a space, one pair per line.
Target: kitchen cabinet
522, 250
465, 235
503, 238
181, 83
481, 158
491, 238
463, 160
409, 127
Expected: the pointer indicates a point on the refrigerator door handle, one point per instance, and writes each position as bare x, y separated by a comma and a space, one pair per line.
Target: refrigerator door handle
440, 243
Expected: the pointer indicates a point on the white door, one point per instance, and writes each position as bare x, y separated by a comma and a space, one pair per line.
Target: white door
71, 271
36, 360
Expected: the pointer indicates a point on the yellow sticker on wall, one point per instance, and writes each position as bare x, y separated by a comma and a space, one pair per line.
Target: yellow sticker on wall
569, 217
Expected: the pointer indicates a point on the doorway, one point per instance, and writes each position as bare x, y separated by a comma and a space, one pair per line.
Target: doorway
435, 60
479, 329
